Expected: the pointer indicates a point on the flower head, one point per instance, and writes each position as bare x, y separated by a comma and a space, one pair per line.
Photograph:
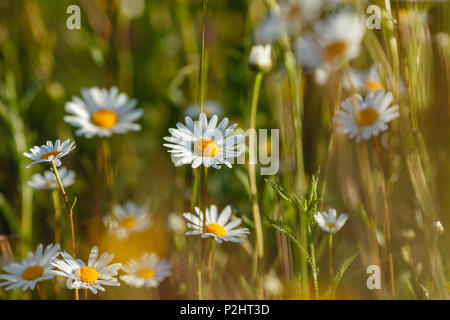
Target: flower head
335, 40
330, 222
36, 267
217, 226
93, 276
365, 118
260, 58
131, 218
363, 81
48, 180
203, 142
102, 112
148, 271
50, 152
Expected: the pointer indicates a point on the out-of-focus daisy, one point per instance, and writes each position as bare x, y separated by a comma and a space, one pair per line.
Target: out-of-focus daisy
48, 180
260, 58
50, 152
36, 267
148, 271
131, 218
438, 227
292, 16
364, 118
210, 108
330, 222
363, 81
203, 142
176, 223
336, 39
217, 226
102, 112
93, 276
272, 285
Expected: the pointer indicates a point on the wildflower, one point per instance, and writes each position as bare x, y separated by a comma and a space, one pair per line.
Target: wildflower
363, 81
272, 285
335, 40
36, 267
50, 152
203, 143
48, 180
364, 118
438, 227
216, 226
176, 223
294, 14
260, 58
330, 222
93, 276
148, 271
102, 113
128, 219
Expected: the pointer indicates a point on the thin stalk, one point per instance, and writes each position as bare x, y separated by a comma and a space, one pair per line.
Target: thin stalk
252, 166
387, 216
109, 174
57, 218
203, 186
330, 253
69, 211
315, 275
202, 88
211, 260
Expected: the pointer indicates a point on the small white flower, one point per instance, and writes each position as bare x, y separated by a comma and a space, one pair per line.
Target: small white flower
216, 226
48, 180
260, 58
438, 227
131, 218
36, 267
272, 285
50, 152
93, 276
210, 108
102, 113
363, 81
148, 271
203, 142
365, 118
335, 40
176, 223
329, 222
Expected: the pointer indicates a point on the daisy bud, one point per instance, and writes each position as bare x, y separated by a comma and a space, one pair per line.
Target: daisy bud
260, 58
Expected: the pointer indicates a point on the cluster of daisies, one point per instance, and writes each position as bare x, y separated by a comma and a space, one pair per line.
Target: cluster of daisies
324, 46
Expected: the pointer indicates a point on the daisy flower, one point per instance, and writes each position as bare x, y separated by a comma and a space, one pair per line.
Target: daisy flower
330, 222
131, 218
203, 142
365, 118
48, 180
363, 81
93, 276
335, 40
217, 226
148, 271
36, 267
102, 112
260, 58
50, 152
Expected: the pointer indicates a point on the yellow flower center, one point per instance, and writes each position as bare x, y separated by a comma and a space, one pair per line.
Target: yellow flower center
128, 222
335, 49
146, 273
32, 272
51, 184
331, 225
205, 147
88, 274
216, 229
373, 85
47, 155
366, 117
104, 118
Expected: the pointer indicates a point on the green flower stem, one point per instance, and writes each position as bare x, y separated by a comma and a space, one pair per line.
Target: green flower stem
69, 211
57, 218
202, 87
109, 174
330, 253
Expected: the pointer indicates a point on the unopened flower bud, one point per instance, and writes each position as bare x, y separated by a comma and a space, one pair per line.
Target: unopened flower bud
260, 58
